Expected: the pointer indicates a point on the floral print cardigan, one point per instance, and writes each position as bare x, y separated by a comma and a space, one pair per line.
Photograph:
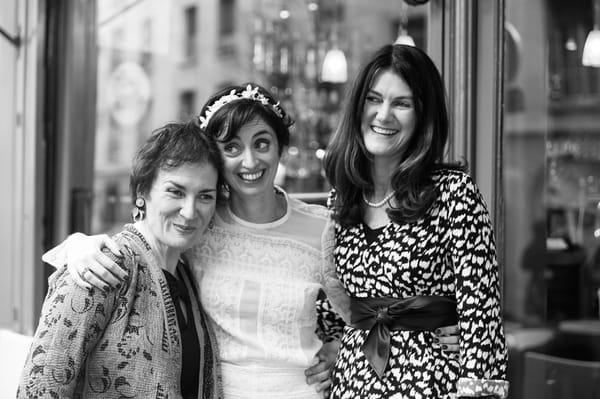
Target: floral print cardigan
121, 343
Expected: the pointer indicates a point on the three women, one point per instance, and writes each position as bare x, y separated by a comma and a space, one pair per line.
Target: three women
410, 234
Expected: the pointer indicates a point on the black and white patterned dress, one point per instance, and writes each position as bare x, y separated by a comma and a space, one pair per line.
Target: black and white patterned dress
449, 252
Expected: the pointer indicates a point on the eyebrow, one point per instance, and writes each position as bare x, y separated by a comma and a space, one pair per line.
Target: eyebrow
408, 97
206, 190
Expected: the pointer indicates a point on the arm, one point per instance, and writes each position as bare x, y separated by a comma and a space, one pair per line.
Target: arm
473, 253
88, 265
72, 322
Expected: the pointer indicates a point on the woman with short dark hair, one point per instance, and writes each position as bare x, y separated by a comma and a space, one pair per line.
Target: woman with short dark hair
149, 338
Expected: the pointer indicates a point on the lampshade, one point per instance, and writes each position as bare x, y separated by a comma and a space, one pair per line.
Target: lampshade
335, 68
591, 49
405, 39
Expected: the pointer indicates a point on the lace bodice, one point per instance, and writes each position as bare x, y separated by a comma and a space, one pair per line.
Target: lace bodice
258, 285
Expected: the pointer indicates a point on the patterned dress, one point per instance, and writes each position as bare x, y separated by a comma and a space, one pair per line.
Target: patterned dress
449, 252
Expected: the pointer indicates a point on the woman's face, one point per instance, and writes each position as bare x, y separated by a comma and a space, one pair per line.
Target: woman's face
389, 117
181, 203
251, 159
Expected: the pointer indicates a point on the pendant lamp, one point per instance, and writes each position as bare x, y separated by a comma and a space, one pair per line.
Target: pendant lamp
591, 48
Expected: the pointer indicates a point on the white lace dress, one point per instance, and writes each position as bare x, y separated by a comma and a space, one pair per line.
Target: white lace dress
258, 285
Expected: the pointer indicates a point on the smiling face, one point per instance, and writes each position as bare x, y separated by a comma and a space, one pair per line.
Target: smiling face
251, 159
180, 204
389, 117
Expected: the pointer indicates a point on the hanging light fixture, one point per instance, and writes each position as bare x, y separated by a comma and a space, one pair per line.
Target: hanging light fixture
591, 48
335, 67
403, 36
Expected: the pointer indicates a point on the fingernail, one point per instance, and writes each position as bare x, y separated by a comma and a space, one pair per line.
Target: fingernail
438, 331
444, 346
437, 341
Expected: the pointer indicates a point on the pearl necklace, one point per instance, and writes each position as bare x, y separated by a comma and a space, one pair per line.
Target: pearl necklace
380, 203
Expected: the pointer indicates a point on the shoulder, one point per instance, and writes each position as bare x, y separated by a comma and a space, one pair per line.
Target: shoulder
310, 210
453, 180
127, 241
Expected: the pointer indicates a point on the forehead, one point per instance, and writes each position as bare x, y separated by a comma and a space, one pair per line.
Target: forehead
188, 174
389, 82
253, 128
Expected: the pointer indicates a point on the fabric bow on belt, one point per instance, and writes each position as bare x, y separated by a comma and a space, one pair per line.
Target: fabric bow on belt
381, 315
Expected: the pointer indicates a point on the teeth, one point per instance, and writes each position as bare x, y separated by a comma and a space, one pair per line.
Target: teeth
251, 176
382, 130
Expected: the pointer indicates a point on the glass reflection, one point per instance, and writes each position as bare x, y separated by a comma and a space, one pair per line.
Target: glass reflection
159, 61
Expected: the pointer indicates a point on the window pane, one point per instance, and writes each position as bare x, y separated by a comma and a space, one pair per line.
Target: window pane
158, 61
552, 195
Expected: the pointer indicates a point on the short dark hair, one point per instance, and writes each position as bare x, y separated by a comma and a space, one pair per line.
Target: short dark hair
225, 122
170, 146
347, 162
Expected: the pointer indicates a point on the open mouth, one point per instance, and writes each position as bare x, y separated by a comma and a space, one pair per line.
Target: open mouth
251, 177
384, 131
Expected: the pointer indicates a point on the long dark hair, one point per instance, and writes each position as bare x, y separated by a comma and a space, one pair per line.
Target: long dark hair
348, 163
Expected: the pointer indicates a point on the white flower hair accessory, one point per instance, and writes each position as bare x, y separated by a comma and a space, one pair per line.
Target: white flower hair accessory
249, 93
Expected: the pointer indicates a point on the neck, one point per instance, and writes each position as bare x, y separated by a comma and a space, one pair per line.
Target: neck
261, 208
382, 176
166, 256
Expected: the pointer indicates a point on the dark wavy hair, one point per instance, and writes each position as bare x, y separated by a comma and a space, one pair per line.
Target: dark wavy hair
170, 146
225, 122
348, 163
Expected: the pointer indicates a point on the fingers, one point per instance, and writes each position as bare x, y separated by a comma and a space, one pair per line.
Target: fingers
316, 369
94, 280
448, 330
105, 268
320, 379
322, 386
451, 348
109, 243
77, 278
448, 340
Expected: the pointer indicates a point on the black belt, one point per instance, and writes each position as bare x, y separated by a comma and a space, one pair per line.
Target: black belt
382, 315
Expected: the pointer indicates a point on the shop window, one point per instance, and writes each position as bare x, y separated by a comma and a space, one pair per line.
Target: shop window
279, 44
552, 195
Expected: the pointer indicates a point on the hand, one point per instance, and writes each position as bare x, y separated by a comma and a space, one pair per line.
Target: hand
447, 338
88, 266
320, 374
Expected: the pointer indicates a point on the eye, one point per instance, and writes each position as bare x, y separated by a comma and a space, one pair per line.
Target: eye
262, 144
206, 197
175, 192
231, 148
373, 99
404, 103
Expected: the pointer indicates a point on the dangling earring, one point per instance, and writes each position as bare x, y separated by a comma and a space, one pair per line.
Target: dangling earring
139, 211
225, 190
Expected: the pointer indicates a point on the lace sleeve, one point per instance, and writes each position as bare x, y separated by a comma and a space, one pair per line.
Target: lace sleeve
333, 287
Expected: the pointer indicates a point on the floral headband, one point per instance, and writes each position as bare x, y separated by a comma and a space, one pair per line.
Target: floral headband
248, 93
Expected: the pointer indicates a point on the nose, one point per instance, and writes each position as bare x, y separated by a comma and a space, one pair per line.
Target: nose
384, 111
248, 160
188, 208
